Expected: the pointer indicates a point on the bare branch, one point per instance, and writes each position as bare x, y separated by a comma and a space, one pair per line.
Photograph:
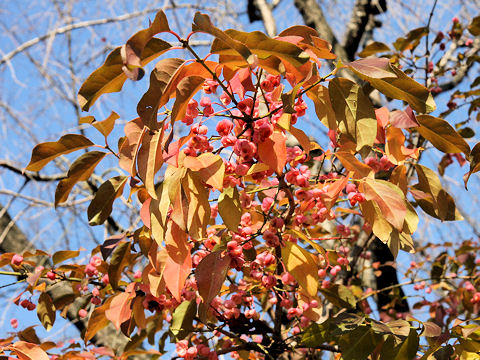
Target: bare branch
267, 17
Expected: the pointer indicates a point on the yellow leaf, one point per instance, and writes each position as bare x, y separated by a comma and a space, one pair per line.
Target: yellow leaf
302, 265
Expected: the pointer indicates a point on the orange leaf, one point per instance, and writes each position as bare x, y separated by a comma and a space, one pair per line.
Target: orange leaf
273, 151
351, 163
120, 309
210, 167
179, 261
334, 189
389, 198
28, 351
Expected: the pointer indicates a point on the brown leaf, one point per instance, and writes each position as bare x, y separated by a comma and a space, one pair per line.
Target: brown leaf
378, 68
46, 311
210, 274
442, 135
474, 160
401, 87
202, 22
186, 89
110, 76
63, 255
101, 206
118, 262
43, 153
80, 170
105, 126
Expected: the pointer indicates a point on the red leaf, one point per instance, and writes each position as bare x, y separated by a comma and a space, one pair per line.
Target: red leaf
403, 119
28, 351
210, 275
145, 212
242, 82
273, 151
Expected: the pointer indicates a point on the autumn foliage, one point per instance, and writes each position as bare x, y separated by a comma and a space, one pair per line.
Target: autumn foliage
247, 232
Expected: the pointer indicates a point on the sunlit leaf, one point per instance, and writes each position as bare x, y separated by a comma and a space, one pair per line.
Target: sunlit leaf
229, 208
28, 351
105, 126
273, 151
185, 90
442, 135
120, 310
373, 48
63, 255
210, 168
43, 153
110, 76
401, 87
302, 265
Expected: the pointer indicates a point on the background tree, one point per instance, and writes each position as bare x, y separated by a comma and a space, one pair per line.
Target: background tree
456, 58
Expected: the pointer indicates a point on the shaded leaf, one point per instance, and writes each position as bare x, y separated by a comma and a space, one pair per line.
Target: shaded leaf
316, 334
474, 26
118, 262
359, 343
373, 48
46, 311
474, 159
80, 170
229, 208
185, 90
411, 40
197, 204
430, 329
302, 265
150, 159
43, 153
432, 198
110, 76
354, 112
210, 275
442, 135
101, 206
182, 319
340, 296
132, 51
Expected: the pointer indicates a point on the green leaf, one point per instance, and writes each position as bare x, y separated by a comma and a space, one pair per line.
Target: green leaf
301, 264
43, 153
118, 262
393, 349
359, 343
340, 296
182, 320
110, 77
80, 170
401, 87
229, 208
442, 135
46, 311
63, 255
101, 206
373, 48
316, 334
354, 112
